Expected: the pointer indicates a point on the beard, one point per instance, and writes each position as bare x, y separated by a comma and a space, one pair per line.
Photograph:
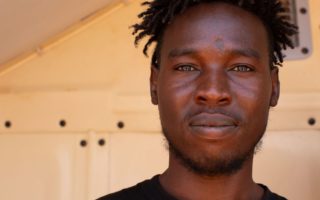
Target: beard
213, 165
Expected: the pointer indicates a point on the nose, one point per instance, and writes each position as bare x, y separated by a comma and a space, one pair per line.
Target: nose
213, 90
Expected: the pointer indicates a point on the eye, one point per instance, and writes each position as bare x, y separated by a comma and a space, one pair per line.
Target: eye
242, 68
187, 68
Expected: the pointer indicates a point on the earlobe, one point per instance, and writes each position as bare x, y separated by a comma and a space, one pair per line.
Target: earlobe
275, 87
154, 85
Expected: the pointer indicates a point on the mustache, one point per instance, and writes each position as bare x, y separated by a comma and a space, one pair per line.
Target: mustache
218, 110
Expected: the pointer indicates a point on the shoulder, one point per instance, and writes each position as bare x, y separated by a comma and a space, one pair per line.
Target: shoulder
125, 194
268, 195
136, 192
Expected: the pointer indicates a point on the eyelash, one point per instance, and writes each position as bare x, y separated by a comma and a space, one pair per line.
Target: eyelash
238, 68
243, 68
187, 68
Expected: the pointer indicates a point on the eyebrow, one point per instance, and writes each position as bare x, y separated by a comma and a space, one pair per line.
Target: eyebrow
246, 52
181, 52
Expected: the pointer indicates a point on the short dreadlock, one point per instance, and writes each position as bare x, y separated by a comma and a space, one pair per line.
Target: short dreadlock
161, 12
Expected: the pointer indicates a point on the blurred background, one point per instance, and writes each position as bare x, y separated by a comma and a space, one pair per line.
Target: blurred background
76, 120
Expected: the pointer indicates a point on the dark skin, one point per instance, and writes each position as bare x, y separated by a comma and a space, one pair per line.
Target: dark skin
214, 89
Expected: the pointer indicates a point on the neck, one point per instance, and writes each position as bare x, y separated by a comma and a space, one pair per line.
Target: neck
182, 183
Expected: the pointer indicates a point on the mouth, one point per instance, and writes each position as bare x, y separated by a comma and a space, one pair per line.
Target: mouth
213, 126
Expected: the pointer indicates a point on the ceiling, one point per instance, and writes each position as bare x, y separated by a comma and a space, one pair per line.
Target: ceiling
25, 24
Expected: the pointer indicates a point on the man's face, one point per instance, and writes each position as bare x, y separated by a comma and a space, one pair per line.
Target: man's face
214, 86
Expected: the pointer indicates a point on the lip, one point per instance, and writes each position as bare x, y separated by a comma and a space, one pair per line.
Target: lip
214, 126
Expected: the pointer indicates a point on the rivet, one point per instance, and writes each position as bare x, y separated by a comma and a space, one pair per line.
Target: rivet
7, 124
83, 143
312, 121
305, 50
102, 142
303, 10
63, 123
120, 125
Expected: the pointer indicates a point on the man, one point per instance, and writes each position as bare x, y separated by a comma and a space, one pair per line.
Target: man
214, 76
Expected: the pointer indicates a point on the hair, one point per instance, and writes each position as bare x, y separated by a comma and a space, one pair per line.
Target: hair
160, 13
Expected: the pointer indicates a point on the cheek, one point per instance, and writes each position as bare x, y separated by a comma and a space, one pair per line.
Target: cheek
174, 101
254, 90
254, 99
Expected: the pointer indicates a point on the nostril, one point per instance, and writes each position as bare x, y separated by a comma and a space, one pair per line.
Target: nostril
224, 100
201, 98
213, 99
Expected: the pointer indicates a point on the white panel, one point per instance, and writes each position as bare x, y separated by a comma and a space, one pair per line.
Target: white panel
289, 164
294, 111
42, 112
135, 157
42, 166
98, 163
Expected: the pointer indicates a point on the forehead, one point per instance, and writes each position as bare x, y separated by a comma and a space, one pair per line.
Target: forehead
216, 24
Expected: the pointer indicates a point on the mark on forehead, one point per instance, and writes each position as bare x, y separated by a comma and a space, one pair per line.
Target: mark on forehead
219, 44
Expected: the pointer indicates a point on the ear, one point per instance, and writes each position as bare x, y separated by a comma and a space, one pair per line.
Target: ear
275, 87
154, 85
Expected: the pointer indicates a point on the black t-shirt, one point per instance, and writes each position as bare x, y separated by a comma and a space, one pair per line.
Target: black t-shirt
152, 190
